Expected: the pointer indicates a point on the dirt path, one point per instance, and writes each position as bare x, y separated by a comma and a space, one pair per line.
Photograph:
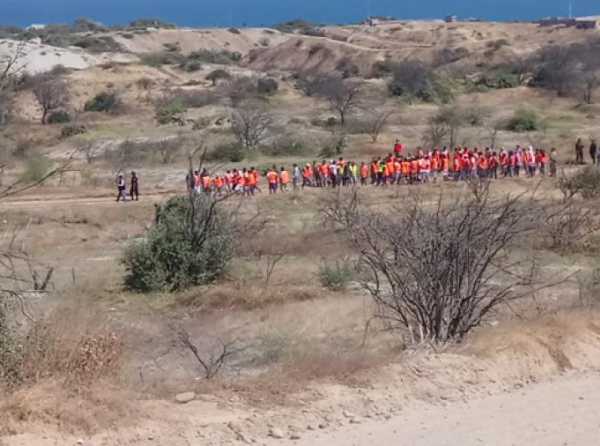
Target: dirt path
105, 199
559, 413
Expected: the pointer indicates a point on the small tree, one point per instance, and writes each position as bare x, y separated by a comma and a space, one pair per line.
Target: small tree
343, 96
250, 124
589, 84
10, 69
50, 93
376, 122
445, 126
107, 102
218, 75
411, 79
191, 243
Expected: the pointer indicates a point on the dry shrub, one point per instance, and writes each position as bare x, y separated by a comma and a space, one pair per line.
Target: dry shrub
74, 359
568, 225
69, 347
241, 294
94, 408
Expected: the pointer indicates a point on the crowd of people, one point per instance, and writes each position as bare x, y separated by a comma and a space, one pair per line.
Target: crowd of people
421, 167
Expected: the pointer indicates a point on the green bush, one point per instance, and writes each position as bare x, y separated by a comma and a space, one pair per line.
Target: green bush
72, 130
36, 169
267, 86
107, 102
413, 80
102, 44
524, 120
169, 111
59, 117
190, 244
160, 58
231, 152
286, 145
336, 275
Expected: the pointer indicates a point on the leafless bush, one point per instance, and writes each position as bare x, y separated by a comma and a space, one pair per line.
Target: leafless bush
342, 95
375, 123
215, 359
568, 223
444, 127
239, 90
439, 269
11, 68
51, 94
250, 124
584, 182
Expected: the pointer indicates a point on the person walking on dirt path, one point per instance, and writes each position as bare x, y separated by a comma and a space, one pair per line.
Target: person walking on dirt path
121, 187
134, 187
579, 151
593, 151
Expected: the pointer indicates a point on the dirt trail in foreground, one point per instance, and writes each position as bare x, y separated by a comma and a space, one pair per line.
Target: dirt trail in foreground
559, 413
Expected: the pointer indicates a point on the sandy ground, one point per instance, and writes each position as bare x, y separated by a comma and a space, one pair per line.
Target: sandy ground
559, 413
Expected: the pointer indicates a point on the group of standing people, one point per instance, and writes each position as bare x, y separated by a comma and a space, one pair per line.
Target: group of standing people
420, 167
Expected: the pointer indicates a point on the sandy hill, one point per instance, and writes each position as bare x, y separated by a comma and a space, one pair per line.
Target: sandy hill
188, 40
364, 45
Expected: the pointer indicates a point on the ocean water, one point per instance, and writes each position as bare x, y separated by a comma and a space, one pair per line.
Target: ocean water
268, 12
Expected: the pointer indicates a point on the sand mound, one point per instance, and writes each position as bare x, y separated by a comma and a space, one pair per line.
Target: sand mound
188, 40
38, 58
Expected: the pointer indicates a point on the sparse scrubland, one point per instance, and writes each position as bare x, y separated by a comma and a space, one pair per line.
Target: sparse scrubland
318, 302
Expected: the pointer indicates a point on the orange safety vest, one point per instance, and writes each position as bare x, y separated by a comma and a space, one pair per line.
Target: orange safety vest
364, 171
414, 167
285, 177
389, 168
272, 177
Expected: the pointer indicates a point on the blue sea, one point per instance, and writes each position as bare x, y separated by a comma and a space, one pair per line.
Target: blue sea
267, 12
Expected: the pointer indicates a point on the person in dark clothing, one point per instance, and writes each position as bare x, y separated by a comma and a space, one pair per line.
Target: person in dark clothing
579, 151
134, 187
121, 186
593, 151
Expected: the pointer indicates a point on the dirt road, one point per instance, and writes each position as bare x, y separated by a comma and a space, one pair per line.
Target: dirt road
560, 413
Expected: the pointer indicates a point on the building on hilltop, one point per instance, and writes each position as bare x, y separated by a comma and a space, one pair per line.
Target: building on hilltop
35, 27
592, 22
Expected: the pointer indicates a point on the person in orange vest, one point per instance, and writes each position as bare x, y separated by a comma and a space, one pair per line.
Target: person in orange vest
374, 170
205, 178
284, 179
219, 184
414, 170
390, 170
398, 170
273, 180
405, 168
307, 176
251, 181
482, 168
364, 173
324, 174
